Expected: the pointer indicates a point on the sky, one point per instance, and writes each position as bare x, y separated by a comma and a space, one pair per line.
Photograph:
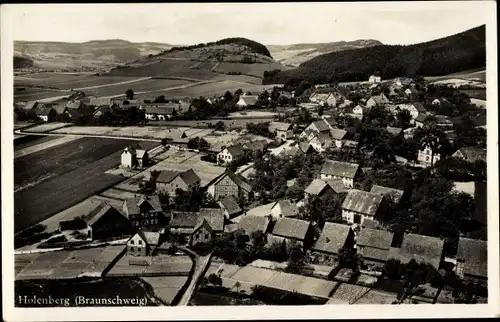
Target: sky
268, 23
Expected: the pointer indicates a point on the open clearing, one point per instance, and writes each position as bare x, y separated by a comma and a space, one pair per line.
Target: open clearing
54, 179
66, 264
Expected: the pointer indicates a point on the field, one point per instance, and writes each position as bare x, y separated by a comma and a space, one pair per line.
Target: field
39, 146
36, 94
160, 265
47, 127
65, 264
54, 179
229, 124
166, 287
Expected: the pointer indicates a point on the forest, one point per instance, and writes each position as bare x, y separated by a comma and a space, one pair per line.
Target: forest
256, 47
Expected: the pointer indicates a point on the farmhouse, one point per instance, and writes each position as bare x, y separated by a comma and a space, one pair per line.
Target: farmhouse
394, 194
168, 181
333, 238
255, 146
359, 205
197, 226
46, 114
247, 101
426, 157
251, 224
324, 188
423, 249
75, 105
298, 149
345, 171
283, 130
377, 100
414, 108
472, 259
60, 108
230, 154
142, 157
324, 99
292, 230
359, 110
470, 154
374, 79
374, 245
323, 125
144, 243
230, 207
284, 208
321, 141
29, 106
143, 211
230, 184
160, 111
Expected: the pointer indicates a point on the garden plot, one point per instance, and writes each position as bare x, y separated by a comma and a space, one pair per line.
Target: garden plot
48, 127
254, 275
349, 292
69, 270
83, 255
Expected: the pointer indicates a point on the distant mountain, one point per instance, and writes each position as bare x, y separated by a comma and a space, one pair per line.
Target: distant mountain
296, 54
92, 54
230, 56
463, 51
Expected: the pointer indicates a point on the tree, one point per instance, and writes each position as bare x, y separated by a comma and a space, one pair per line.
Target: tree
237, 285
164, 142
129, 93
403, 118
349, 258
214, 279
321, 110
160, 99
220, 126
432, 137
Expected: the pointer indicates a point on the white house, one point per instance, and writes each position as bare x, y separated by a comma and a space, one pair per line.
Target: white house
358, 110
338, 137
425, 156
230, 154
129, 157
415, 109
283, 130
374, 79
247, 101
345, 171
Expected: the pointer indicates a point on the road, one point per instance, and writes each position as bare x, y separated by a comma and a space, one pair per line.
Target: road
200, 266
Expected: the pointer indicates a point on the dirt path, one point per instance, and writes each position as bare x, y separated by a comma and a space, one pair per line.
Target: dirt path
112, 84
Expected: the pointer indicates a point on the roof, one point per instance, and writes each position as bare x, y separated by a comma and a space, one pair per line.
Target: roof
419, 106
248, 99
239, 180
44, 111
337, 185
379, 99
166, 176
230, 205
315, 187
332, 238
97, 213
150, 237
180, 219
394, 130
421, 118
74, 113
420, 248
473, 154
257, 145
324, 138
162, 109
30, 105
375, 243
395, 194
320, 96
337, 134
74, 105
362, 202
291, 228
279, 126
60, 108
132, 204
321, 125
214, 216
100, 101
288, 208
236, 150
190, 177
204, 222
474, 253
141, 153
251, 223
341, 169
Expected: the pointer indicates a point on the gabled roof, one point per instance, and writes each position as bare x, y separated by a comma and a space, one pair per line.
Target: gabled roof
179, 219
394, 130
160, 108
150, 237
140, 153
337, 134
44, 111
100, 101
215, 217
420, 248
279, 126
239, 180
203, 222
252, 224
30, 105
374, 243
74, 105
331, 121
97, 213
190, 177
258, 145
332, 238
235, 150
474, 253
473, 154
248, 99
321, 125
337, 185
324, 138
288, 208
341, 169
291, 228
379, 99
132, 204
166, 176
315, 187
362, 202
60, 108
420, 107
395, 194
230, 204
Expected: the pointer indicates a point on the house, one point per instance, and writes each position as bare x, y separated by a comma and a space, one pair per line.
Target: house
160, 111
197, 226
319, 126
74, 105
142, 157
472, 259
230, 207
255, 146
283, 130
321, 141
102, 110
101, 101
422, 249
324, 188
338, 137
215, 217
168, 181
411, 92
284, 208
333, 238
394, 130
345, 171
377, 100
414, 108
297, 149
104, 221
144, 243
374, 79
247, 101
394, 194
359, 110
230, 184
251, 224
30, 106
60, 108
439, 101
230, 154
324, 99
46, 114
202, 233
420, 120
359, 205
292, 230
426, 157
470, 154
374, 245
143, 211
400, 82
129, 157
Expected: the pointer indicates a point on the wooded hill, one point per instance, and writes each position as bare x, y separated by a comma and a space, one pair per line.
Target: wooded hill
255, 47
463, 51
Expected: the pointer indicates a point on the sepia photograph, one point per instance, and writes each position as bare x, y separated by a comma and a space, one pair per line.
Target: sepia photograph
274, 155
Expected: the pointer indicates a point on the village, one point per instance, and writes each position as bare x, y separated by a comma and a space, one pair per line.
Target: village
373, 192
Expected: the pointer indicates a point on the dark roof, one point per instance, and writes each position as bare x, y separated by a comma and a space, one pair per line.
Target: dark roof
375, 244
237, 179
184, 219
420, 107
315, 187
332, 238
473, 154
291, 228
230, 205
474, 253
132, 204
341, 169
44, 111
215, 217
166, 176
321, 125
251, 223
190, 177
203, 222
288, 208
395, 194
420, 248
98, 212
421, 118
236, 150
362, 202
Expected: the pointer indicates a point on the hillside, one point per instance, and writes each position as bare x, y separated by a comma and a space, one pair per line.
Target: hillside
22, 62
95, 54
294, 55
231, 56
443, 56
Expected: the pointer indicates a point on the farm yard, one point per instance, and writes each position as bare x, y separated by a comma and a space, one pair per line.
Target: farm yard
67, 173
66, 264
